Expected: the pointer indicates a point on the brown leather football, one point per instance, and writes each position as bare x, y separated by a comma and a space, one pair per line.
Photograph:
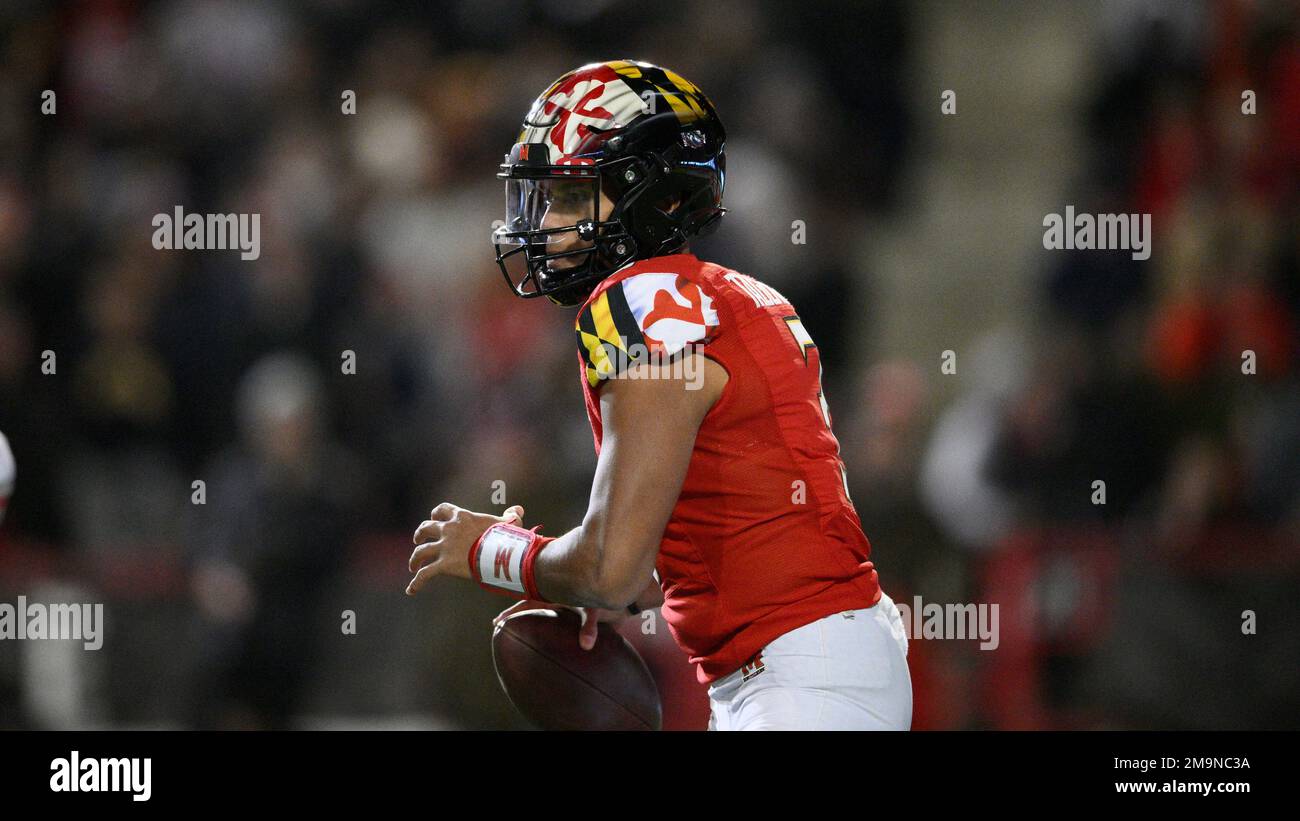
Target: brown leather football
557, 685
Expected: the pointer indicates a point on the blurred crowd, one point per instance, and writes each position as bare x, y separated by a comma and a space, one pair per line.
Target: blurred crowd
194, 449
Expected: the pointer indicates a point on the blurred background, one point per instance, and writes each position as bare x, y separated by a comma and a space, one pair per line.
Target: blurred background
923, 235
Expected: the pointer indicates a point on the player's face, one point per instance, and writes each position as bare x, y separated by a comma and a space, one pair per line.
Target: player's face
568, 203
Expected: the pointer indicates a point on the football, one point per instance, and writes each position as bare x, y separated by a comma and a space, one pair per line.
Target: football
557, 685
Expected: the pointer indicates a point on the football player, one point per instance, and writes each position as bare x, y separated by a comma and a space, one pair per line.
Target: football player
719, 491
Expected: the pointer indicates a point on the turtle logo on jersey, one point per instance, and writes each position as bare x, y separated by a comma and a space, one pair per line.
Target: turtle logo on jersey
671, 311
646, 314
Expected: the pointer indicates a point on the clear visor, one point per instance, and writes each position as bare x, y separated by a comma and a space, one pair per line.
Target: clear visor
551, 205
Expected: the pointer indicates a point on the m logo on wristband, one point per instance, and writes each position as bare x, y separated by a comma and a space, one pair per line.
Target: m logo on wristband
502, 560
499, 558
501, 567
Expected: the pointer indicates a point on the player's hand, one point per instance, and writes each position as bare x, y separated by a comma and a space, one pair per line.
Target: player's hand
591, 618
444, 539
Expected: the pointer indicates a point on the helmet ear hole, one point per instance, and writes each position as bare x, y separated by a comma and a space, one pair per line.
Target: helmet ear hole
671, 203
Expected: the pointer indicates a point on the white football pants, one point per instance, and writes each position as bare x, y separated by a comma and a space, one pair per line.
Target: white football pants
847, 671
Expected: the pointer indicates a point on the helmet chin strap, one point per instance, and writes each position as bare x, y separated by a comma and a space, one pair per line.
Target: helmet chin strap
672, 244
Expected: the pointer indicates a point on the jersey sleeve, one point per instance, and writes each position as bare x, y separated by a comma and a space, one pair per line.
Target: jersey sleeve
644, 317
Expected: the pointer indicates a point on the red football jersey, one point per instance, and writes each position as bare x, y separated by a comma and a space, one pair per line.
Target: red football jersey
763, 538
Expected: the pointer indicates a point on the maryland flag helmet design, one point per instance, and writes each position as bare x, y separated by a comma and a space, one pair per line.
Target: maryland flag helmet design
645, 136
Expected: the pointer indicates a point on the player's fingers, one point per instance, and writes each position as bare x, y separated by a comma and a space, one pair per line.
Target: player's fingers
428, 531
587, 633
443, 512
422, 555
422, 577
415, 537
515, 513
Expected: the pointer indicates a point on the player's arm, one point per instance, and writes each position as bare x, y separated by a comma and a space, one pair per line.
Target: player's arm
649, 423
650, 420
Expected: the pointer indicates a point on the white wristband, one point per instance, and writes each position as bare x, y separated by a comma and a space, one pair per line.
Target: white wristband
499, 558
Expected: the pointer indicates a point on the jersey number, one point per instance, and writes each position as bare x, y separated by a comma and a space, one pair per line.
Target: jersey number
805, 342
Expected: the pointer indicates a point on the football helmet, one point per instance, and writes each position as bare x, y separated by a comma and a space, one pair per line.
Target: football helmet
644, 136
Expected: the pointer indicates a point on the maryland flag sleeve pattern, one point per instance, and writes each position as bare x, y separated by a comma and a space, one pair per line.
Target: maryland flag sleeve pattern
608, 335
647, 315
